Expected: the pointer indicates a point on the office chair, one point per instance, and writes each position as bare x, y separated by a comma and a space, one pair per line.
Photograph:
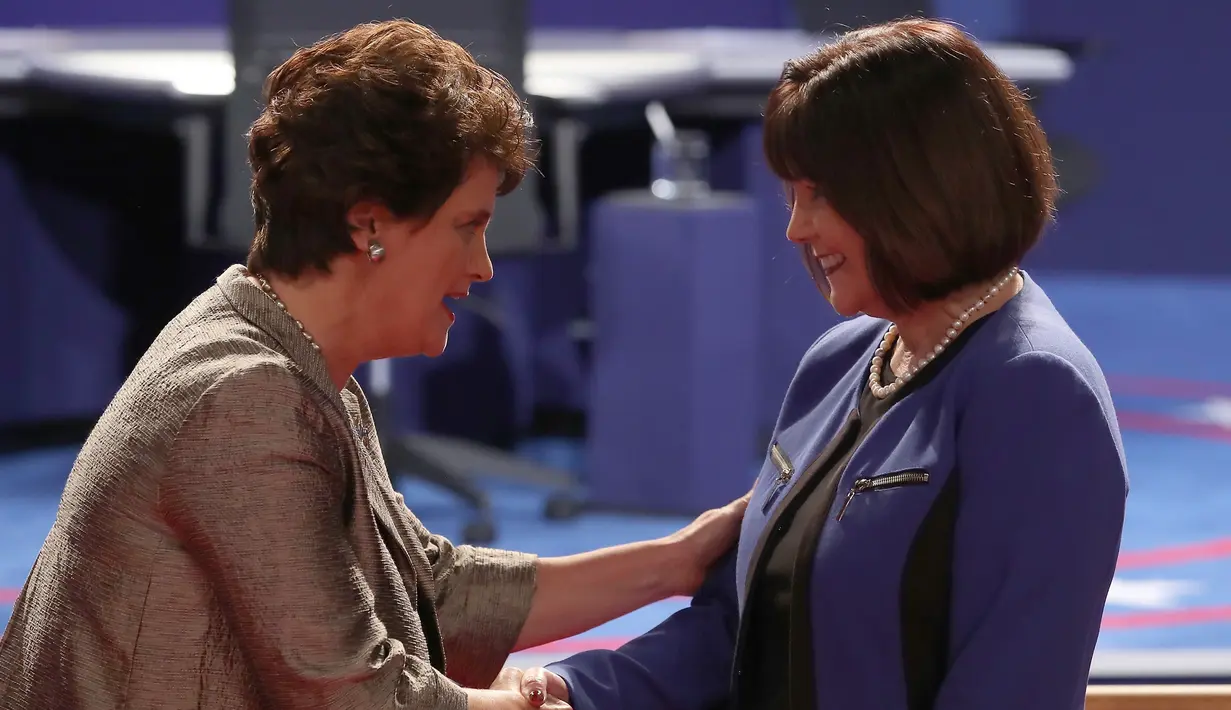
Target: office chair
264, 33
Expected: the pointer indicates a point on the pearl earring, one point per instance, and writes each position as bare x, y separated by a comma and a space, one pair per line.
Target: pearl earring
376, 252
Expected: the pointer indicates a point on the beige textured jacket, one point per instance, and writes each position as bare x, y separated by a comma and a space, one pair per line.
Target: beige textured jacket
229, 538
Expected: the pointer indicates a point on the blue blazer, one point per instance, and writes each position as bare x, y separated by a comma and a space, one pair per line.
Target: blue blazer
1019, 430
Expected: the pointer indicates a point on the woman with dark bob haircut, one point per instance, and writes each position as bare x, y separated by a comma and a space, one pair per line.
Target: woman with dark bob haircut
229, 537
938, 517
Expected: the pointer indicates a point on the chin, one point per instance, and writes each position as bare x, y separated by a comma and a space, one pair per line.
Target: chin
845, 307
436, 348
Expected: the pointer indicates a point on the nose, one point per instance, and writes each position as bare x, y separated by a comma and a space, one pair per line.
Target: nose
799, 229
481, 263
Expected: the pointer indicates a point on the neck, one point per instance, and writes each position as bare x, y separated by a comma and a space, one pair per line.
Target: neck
927, 326
322, 304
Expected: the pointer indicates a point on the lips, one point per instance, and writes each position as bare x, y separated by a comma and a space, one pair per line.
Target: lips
456, 296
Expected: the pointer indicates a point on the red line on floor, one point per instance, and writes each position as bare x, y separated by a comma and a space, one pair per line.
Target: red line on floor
1176, 554
1111, 622
1169, 387
1173, 426
1170, 617
567, 647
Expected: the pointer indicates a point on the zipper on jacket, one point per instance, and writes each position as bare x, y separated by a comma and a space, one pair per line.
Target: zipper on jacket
878, 483
785, 471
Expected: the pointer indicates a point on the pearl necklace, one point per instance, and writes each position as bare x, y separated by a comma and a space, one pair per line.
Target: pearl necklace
273, 296
878, 358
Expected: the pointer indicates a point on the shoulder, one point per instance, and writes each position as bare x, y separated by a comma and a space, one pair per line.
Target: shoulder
256, 435
842, 345
258, 415
222, 373
254, 382
1031, 348
204, 353
1031, 391
204, 343
827, 362
259, 397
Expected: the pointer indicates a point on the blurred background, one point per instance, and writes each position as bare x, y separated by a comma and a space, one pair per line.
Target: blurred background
623, 370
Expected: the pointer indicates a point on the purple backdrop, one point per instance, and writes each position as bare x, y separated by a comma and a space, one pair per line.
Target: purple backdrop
1145, 102
630, 14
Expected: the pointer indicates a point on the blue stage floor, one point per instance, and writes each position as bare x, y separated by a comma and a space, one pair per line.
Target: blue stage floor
1169, 612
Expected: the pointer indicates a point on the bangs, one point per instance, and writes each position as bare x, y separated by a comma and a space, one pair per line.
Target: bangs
784, 132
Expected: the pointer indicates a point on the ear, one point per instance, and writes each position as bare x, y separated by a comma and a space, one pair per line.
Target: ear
363, 221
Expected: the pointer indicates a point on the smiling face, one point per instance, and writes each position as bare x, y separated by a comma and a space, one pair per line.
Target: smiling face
839, 252
426, 265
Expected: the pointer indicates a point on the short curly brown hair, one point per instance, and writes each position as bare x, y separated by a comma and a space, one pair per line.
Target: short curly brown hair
389, 112
924, 147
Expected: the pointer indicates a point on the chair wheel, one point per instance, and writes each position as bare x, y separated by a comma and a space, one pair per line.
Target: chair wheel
562, 506
479, 532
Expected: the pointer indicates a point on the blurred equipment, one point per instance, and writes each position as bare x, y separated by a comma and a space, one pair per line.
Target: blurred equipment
675, 284
264, 33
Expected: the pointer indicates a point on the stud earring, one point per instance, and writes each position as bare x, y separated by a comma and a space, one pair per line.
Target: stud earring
376, 252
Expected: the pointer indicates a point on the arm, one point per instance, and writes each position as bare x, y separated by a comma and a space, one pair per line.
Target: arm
682, 664
488, 598
1043, 498
579, 592
255, 496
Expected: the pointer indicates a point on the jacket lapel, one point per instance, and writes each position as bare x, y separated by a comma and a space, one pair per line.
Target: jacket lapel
385, 506
260, 310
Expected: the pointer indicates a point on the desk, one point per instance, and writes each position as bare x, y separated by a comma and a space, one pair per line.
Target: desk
580, 69
1159, 697
576, 77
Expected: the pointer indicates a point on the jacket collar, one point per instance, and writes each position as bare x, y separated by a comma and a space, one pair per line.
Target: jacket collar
259, 309
1028, 298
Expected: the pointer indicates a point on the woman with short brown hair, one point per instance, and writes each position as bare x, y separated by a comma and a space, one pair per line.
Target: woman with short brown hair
229, 537
937, 520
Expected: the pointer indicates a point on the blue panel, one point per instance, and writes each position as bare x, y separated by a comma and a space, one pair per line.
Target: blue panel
675, 394
62, 341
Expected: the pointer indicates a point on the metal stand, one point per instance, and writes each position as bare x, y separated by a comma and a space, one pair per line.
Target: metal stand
403, 457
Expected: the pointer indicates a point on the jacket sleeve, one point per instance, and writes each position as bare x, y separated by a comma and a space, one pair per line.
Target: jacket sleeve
254, 491
482, 600
1042, 508
682, 664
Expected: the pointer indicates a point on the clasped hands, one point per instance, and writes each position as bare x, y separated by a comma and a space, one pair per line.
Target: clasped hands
538, 688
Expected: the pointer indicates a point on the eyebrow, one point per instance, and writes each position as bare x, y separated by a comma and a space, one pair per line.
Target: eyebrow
476, 216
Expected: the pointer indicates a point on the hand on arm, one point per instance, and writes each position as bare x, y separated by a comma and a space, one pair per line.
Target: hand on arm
1043, 488
253, 494
578, 592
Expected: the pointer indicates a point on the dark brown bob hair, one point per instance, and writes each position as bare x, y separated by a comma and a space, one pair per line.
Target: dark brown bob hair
924, 147
387, 111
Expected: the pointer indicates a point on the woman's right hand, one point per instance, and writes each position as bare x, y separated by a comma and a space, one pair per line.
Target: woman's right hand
539, 686
518, 690
507, 700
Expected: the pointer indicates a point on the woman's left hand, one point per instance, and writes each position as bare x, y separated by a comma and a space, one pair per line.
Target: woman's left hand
705, 540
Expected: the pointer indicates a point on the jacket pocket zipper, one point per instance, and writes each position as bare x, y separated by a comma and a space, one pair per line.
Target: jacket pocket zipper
785, 472
879, 483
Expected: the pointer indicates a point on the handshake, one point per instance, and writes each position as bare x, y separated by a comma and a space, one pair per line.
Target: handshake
515, 689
